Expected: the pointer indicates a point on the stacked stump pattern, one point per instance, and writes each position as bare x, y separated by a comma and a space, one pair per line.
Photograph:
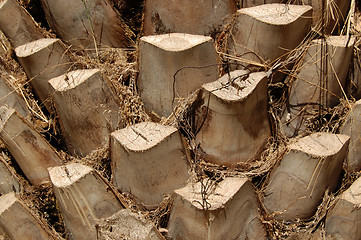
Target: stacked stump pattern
206, 71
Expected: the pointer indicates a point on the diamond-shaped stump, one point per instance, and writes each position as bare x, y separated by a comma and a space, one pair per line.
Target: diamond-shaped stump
19, 222
31, 151
17, 24
352, 127
205, 18
43, 60
86, 23
311, 165
148, 161
191, 59
84, 197
9, 182
10, 98
331, 21
234, 124
229, 210
344, 218
88, 110
284, 25
321, 80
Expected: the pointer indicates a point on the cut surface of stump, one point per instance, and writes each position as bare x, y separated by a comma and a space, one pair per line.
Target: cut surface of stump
352, 127
30, 150
87, 24
321, 80
10, 98
204, 18
9, 182
127, 225
227, 210
19, 222
176, 55
83, 197
284, 25
17, 24
43, 60
312, 165
234, 119
276, 14
148, 161
253, 3
88, 110
344, 218
328, 17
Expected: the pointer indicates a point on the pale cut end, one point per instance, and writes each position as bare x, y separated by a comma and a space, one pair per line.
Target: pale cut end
35, 46
175, 42
6, 201
353, 194
66, 175
222, 193
5, 114
236, 86
73, 79
320, 144
143, 136
2, 3
338, 41
276, 14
